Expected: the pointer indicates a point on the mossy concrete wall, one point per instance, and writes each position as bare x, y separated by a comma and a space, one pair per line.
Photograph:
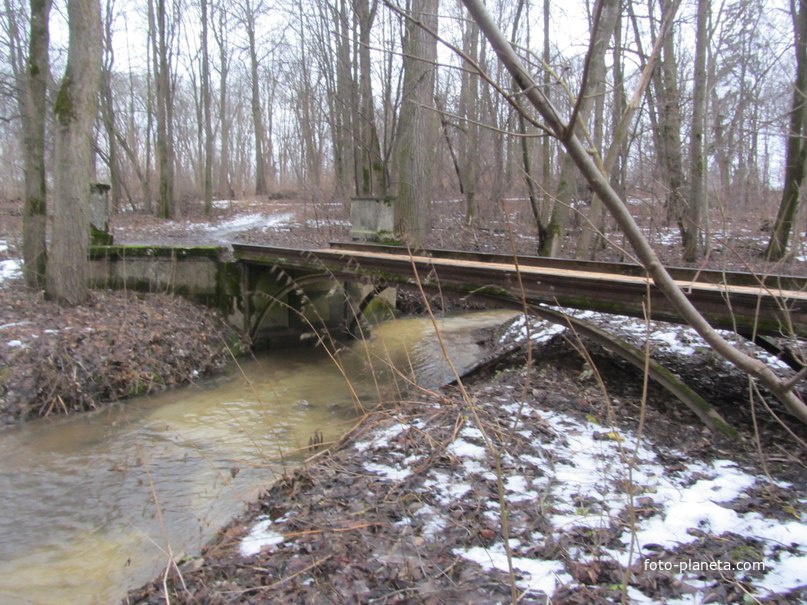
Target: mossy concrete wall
199, 273
270, 306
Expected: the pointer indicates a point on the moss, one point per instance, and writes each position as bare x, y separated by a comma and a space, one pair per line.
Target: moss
99, 237
745, 553
228, 288
63, 107
388, 238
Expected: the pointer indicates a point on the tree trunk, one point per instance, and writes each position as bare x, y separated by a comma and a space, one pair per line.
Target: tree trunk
33, 110
370, 172
606, 26
257, 112
108, 107
469, 109
225, 187
593, 85
417, 126
165, 160
694, 216
208, 126
796, 153
669, 104
74, 112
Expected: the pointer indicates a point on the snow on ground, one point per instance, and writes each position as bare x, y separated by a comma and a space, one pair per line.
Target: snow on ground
9, 269
259, 537
664, 337
245, 222
575, 478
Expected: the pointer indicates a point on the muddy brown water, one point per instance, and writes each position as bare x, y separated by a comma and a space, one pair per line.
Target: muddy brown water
91, 506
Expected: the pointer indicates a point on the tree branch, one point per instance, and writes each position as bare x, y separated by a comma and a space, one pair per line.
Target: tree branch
647, 256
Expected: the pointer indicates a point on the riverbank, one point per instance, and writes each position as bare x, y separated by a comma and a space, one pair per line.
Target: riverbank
549, 464
58, 360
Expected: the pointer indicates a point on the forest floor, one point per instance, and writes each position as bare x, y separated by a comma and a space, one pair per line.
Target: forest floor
554, 461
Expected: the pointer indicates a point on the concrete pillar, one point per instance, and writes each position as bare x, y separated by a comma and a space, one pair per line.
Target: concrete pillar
99, 215
372, 219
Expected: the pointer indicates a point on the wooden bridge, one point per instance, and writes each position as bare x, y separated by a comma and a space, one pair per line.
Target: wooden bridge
275, 295
751, 305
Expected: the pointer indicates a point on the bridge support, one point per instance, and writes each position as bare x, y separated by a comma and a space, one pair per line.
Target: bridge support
283, 307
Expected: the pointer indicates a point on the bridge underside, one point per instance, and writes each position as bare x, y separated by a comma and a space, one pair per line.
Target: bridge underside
775, 306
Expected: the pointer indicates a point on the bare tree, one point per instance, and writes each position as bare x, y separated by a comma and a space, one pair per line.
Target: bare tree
31, 74
74, 112
220, 31
370, 168
782, 389
469, 110
207, 114
693, 232
247, 14
796, 144
417, 126
160, 41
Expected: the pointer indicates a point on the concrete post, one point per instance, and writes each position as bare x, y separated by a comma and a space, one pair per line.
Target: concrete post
99, 215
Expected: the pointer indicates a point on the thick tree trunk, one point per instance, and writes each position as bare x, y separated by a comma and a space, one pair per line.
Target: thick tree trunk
74, 112
417, 126
165, 160
669, 104
370, 167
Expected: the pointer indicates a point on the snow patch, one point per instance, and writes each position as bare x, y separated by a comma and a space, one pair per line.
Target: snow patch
391, 473
537, 575
10, 269
259, 537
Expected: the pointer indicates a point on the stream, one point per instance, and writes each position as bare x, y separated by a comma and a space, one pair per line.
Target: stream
93, 505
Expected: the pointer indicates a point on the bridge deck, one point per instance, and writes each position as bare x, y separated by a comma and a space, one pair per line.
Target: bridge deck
741, 301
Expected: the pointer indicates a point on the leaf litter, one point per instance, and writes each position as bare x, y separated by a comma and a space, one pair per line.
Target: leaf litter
412, 506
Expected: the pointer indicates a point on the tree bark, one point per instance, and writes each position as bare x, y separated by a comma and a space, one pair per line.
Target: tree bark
74, 112
696, 204
417, 125
370, 168
165, 157
208, 125
669, 104
33, 108
796, 153
257, 112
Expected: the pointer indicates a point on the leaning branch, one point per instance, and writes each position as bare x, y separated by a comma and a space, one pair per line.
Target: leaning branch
600, 185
